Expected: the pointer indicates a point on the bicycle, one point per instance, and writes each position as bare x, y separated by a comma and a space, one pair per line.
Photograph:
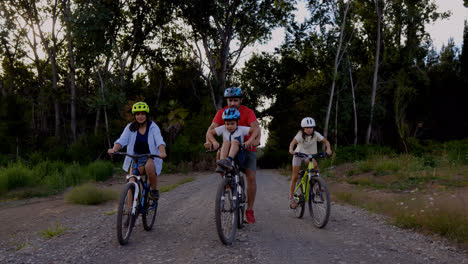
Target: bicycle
230, 203
313, 190
134, 200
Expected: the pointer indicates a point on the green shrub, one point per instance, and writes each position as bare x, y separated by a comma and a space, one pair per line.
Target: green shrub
100, 170
457, 151
75, 174
36, 158
15, 176
89, 194
360, 152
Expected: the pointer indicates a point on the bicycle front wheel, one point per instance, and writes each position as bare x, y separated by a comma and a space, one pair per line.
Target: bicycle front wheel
150, 209
299, 196
319, 202
125, 218
226, 213
243, 200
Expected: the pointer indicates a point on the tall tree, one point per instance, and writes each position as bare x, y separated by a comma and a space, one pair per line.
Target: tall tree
67, 17
217, 25
338, 57
35, 16
378, 9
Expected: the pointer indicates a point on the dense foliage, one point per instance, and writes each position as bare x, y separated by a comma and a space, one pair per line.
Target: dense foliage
71, 69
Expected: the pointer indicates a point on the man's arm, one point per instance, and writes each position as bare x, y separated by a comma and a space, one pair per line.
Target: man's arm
210, 132
254, 139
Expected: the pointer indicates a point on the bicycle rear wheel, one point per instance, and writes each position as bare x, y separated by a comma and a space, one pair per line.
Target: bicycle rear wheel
149, 212
226, 213
319, 202
125, 218
299, 196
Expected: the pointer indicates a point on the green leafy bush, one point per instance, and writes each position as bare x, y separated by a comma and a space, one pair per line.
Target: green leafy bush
100, 170
15, 176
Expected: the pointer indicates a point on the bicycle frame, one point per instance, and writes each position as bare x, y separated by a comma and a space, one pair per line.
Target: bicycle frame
306, 179
138, 180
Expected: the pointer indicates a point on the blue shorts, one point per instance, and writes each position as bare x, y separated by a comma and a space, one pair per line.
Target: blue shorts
142, 161
250, 161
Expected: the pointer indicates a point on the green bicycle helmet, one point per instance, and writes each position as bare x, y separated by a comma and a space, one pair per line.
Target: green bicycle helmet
140, 107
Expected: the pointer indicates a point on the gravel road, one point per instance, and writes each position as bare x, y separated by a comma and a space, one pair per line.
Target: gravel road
185, 233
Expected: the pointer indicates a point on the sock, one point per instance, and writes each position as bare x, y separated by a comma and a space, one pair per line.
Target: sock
230, 158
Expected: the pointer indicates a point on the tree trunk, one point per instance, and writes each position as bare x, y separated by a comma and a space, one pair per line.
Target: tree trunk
2, 88
104, 108
336, 119
354, 105
67, 14
376, 71
52, 52
96, 124
335, 70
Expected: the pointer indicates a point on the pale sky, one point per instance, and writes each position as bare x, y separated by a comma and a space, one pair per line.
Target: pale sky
440, 31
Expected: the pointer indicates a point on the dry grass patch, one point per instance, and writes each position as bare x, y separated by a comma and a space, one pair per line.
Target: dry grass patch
442, 213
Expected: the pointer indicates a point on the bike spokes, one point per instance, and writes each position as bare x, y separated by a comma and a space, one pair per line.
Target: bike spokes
226, 213
319, 202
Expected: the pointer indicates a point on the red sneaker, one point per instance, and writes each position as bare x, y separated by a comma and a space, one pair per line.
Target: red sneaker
250, 216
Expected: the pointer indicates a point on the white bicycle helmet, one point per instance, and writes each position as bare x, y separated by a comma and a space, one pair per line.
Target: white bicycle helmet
308, 122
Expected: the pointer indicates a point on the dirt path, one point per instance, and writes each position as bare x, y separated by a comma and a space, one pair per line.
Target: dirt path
185, 233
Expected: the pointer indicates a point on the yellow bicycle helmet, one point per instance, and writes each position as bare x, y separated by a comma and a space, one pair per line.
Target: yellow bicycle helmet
140, 107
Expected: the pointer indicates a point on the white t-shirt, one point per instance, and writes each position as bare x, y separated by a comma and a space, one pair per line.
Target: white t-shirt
309, 145
238, 134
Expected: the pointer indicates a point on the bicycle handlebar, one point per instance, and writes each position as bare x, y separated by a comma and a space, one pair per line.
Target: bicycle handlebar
137, 156
311, 156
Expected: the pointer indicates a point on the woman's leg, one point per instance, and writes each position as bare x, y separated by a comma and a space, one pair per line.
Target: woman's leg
151, 172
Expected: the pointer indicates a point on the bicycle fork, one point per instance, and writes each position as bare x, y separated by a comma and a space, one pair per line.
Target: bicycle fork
137, 191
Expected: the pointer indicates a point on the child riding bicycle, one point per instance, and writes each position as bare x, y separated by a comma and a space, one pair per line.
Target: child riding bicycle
233, 136
306, 140
143, 137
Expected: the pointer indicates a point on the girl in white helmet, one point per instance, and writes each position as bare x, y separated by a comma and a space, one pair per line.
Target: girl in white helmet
306, 140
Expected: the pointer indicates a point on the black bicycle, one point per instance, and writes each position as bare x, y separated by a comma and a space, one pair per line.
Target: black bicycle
135, 200
230, 204
313, 190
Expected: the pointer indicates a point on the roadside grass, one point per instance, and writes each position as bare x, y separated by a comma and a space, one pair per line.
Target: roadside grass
110, 212
53, 231
17, 245
445, 215
405, 172
89, 194
424, 192
21, 180
170, 187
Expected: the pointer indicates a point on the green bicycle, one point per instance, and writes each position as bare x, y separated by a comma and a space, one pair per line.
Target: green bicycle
313, 190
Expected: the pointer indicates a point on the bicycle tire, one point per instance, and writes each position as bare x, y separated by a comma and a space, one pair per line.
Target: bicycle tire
319, 202
299, 210
242, 202
226, 226
125, 218
150, 209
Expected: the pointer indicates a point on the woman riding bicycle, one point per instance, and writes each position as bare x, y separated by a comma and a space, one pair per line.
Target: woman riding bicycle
306, 140
142, 136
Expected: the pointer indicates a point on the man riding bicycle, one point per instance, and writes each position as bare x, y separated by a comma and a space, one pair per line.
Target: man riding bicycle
248, 118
